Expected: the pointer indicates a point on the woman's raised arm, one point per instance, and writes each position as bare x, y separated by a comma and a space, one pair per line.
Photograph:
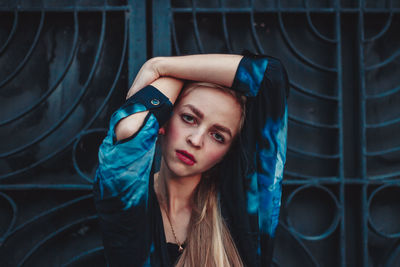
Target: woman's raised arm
128, 126
214, 68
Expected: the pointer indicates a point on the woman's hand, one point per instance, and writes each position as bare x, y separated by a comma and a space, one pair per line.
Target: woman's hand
147, 74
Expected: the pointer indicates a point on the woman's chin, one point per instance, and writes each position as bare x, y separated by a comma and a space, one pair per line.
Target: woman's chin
177, 170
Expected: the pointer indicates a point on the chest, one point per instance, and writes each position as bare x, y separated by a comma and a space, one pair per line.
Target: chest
176, 226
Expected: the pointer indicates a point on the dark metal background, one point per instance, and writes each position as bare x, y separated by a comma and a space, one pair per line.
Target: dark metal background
66, 65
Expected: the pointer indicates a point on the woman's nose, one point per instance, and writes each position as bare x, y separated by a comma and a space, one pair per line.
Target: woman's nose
196, 138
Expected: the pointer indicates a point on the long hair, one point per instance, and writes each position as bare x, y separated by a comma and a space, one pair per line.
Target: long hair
209, 242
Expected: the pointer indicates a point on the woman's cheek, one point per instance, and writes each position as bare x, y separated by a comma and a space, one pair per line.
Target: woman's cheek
214, 156
173, 129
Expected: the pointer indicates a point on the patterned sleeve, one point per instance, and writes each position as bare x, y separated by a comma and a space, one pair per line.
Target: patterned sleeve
262, 147
121, 185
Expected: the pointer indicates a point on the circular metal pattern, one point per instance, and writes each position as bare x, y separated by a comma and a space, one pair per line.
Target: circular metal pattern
93, 257
312, 212
384, 211
8, 211
393, 258
84, 152
286, 240
60, 124
73, 61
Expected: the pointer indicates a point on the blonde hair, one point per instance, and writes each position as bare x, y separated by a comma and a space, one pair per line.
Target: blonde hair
209, 242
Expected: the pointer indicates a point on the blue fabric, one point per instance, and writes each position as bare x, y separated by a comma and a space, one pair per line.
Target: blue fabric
249, 75
250, 183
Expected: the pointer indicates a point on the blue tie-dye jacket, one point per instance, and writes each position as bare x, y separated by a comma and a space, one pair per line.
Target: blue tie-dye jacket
250, 184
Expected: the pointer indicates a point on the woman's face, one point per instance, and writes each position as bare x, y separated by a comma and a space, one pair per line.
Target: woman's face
200, 131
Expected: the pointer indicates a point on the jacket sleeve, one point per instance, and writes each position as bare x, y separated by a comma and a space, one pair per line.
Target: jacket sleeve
262, 147
121, 185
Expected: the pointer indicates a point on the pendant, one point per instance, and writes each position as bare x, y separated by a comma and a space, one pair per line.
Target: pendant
180, 249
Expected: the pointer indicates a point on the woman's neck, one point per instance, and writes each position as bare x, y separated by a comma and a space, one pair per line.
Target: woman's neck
175, 192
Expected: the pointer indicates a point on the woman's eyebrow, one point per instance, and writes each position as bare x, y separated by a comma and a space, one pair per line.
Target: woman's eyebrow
223, 129
201, 116
195, 111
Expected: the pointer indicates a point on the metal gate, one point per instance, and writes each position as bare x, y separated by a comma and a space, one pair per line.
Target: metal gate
66, 66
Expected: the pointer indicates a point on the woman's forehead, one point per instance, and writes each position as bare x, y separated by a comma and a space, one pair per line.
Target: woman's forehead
212, 104
210, 99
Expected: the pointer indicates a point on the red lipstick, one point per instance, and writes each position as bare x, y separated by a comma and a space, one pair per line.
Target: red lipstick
186, 157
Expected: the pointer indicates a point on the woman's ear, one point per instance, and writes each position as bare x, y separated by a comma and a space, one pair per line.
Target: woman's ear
161, 131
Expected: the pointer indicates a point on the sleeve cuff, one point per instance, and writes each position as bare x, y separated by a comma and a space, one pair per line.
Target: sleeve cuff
154, 101
250, 74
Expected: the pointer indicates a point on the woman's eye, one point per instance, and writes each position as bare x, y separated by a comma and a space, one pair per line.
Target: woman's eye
218, 137
188, 118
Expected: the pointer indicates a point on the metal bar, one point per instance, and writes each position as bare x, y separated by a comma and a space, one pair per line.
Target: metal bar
161, 30
305, 91
387, 93
45, 186
313, 124
383, 30
314, 30
28, 55
196, 28
12, 32
225, 28
301, 244
363, 163
382, 152
305, 176
14, 208
340, 114
283, 10
77, 258
54, 234
253, 30
67, 9
296, 52
385, 62
201, 10
174, 37
137, 37
335, 180
312, 154
382, 124
386, 176
47, 212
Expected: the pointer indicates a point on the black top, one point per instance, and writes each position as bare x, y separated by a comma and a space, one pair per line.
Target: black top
173, 251
250, 184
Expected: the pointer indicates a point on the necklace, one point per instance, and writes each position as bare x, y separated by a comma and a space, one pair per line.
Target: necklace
180, 249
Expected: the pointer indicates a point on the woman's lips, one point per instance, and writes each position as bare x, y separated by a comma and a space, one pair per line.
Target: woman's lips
185, 157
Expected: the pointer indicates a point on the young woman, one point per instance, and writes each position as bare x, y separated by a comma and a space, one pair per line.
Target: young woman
213, 196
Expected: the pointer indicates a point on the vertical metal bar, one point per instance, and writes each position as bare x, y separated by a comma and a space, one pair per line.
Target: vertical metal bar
174, 37
196, 27
253, 30
137, 37
340, 129
364, 208
161, 19
224, 26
